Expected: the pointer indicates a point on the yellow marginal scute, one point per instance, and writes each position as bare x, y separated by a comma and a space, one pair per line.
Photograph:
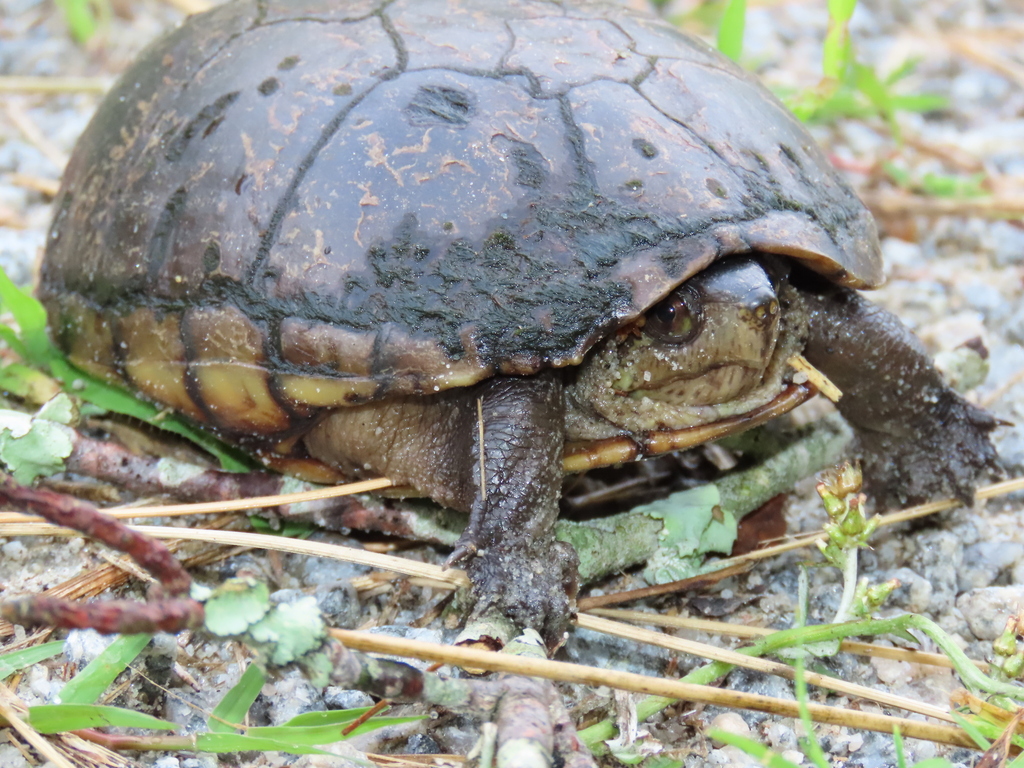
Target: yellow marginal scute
227, 368
326, 392
154, 359
87, 337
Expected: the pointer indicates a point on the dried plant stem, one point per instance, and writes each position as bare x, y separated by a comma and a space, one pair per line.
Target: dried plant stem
29, 84
911, 513
190, 7
904, 204
724, 628
29, 734
69, 512
17, 114
670, 689
770, 667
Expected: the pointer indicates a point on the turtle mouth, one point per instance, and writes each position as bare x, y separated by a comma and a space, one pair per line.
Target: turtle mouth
717, 383
621, 389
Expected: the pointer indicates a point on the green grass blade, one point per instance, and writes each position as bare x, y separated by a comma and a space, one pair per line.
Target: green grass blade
897, 745
331, 717
80, 19
841, 11
58, 718
220, 743
113, 398
755, 749
31, 319
324, 734
32, 344
730, 33
972, 730
236, 702
1018, 762
90, 683
26, 657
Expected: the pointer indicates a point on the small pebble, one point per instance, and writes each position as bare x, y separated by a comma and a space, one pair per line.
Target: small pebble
84, 645
13, 550
729, 722
340, 698
11, 757
290, 696
986, 610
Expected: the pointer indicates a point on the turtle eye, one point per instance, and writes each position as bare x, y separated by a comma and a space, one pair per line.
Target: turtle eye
677, 319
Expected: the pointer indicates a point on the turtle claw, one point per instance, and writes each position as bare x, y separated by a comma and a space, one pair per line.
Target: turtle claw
462, 552
534, 590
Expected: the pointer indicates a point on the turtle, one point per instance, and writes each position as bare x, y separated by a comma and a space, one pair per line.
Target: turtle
472, 244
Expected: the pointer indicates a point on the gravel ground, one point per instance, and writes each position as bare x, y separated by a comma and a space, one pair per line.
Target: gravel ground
953, 278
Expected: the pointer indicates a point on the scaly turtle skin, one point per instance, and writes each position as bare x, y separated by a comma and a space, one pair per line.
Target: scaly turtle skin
340, 233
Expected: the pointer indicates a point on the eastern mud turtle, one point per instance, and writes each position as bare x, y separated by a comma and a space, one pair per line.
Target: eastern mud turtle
338, 233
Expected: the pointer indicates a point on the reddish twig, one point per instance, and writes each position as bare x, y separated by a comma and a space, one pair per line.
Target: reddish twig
69, 512
108, 617
169, 615
146, 475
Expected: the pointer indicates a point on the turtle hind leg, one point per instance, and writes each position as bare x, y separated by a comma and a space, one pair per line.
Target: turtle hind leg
919, 439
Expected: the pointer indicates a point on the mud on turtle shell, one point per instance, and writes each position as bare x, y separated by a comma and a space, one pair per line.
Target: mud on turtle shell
326, 230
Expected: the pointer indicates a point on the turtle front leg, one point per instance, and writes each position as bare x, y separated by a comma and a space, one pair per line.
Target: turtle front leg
920, 440
433, 445
519, 570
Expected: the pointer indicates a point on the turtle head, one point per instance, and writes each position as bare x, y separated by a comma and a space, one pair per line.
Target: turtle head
709, 350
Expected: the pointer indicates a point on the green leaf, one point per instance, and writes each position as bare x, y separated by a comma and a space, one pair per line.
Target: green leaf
236, 702
329, 717
57, 718
289, 528
947, 185
971, 728
897, 745
627, 754
90, 683
10, 338
80, 19
115, 399
918, 102
235, 606
841, 11
60, 409
32, 344
903, 71
1018, 761
31, 319
26, 657
730, 33
289, 631
31, 447
694, 525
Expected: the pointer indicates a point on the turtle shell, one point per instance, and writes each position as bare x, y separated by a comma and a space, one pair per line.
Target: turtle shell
286, 206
